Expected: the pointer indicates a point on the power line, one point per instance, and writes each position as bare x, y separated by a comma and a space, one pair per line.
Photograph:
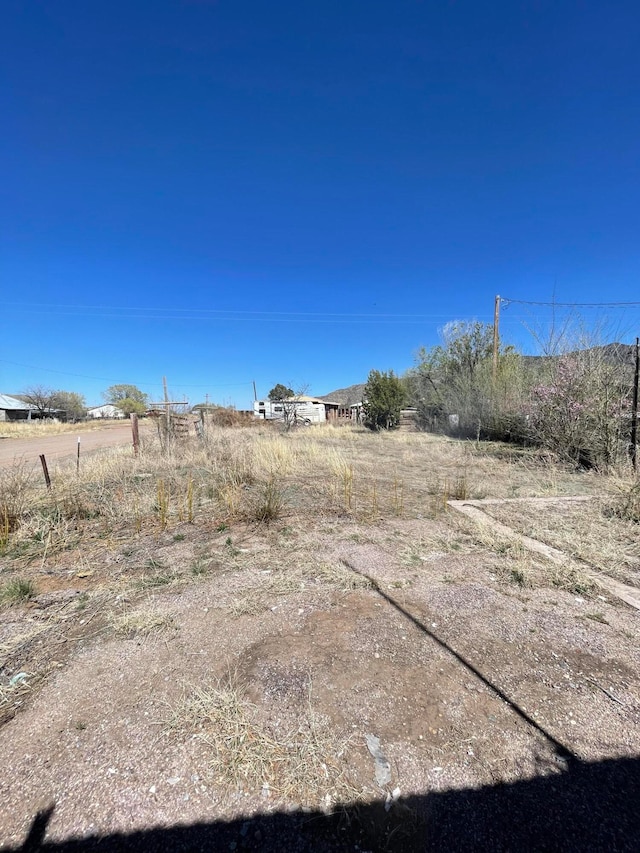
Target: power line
506, 302
229, 316
118, 381
223, 312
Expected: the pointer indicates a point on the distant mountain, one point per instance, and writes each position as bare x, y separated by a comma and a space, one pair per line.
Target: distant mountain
617, 354
345, 396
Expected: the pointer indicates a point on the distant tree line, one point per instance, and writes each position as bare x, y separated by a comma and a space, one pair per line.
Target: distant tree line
51, 403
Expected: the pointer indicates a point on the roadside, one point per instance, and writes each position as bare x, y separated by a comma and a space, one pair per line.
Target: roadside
63, 445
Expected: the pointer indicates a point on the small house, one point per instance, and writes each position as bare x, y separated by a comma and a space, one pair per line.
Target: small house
106, 411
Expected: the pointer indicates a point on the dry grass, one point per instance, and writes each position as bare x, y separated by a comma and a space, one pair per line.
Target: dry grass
17, 590
44, 428
295, 578
584, 531
141, 622
239, 478
306, 764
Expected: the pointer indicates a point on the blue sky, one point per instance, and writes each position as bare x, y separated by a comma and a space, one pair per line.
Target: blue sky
298, 192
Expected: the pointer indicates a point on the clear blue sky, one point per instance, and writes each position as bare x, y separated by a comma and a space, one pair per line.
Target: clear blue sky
289, 165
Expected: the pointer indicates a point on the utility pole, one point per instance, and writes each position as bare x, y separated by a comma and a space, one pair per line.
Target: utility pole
496, 337
206, 401
634, 410
255, 393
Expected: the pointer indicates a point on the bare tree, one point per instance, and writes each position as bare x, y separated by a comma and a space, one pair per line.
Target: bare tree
39, 396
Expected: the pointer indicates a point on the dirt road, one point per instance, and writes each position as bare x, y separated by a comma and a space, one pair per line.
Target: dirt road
62, 446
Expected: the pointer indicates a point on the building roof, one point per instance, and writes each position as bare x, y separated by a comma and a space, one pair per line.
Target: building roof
13, 404
304, 398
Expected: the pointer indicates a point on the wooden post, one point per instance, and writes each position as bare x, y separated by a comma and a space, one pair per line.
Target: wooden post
634, 410
496, 337
135, 434
255, 393
45, 471
78, 458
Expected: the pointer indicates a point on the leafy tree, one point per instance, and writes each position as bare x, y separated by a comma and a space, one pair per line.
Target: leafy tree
70, 402
456, 378
129, 398
384, 395
280, 392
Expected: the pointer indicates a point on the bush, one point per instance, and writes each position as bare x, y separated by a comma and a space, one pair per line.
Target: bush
384, 396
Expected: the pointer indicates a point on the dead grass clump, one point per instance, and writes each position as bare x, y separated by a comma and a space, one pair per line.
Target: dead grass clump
626, 504
15, 485
305, 764
17, 590
141, 623
268, 505
571, 579
518, 573
501, 544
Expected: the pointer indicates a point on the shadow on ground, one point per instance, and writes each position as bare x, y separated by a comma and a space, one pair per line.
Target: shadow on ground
586, 807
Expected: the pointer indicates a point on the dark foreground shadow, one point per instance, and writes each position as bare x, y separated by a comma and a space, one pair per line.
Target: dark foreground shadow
589, 807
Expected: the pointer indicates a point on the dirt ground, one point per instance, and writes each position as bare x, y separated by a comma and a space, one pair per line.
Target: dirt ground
234, 675
64, 445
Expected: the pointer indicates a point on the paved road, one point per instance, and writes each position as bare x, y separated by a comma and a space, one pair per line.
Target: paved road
62, 446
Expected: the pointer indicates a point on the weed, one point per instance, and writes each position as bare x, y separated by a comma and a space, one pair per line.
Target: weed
162, 505
82, 600
80, 725
519, 577
199, 568
459, 489
17, 590
231, 548
161, 577
397, 496
190, 500
572, 580
626, 505
222, 527
270, 504
597, 617
15, 483
179, 537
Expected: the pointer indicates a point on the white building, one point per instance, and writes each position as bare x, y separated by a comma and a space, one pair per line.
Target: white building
308, 409
106, 411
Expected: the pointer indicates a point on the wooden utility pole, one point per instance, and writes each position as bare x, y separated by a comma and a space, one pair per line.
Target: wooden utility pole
255, 393
496, 337
634, 410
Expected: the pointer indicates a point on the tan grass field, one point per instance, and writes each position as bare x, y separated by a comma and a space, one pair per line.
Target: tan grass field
227, 599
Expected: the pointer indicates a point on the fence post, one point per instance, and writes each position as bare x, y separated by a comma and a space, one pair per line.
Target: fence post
135, 434
45, 471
